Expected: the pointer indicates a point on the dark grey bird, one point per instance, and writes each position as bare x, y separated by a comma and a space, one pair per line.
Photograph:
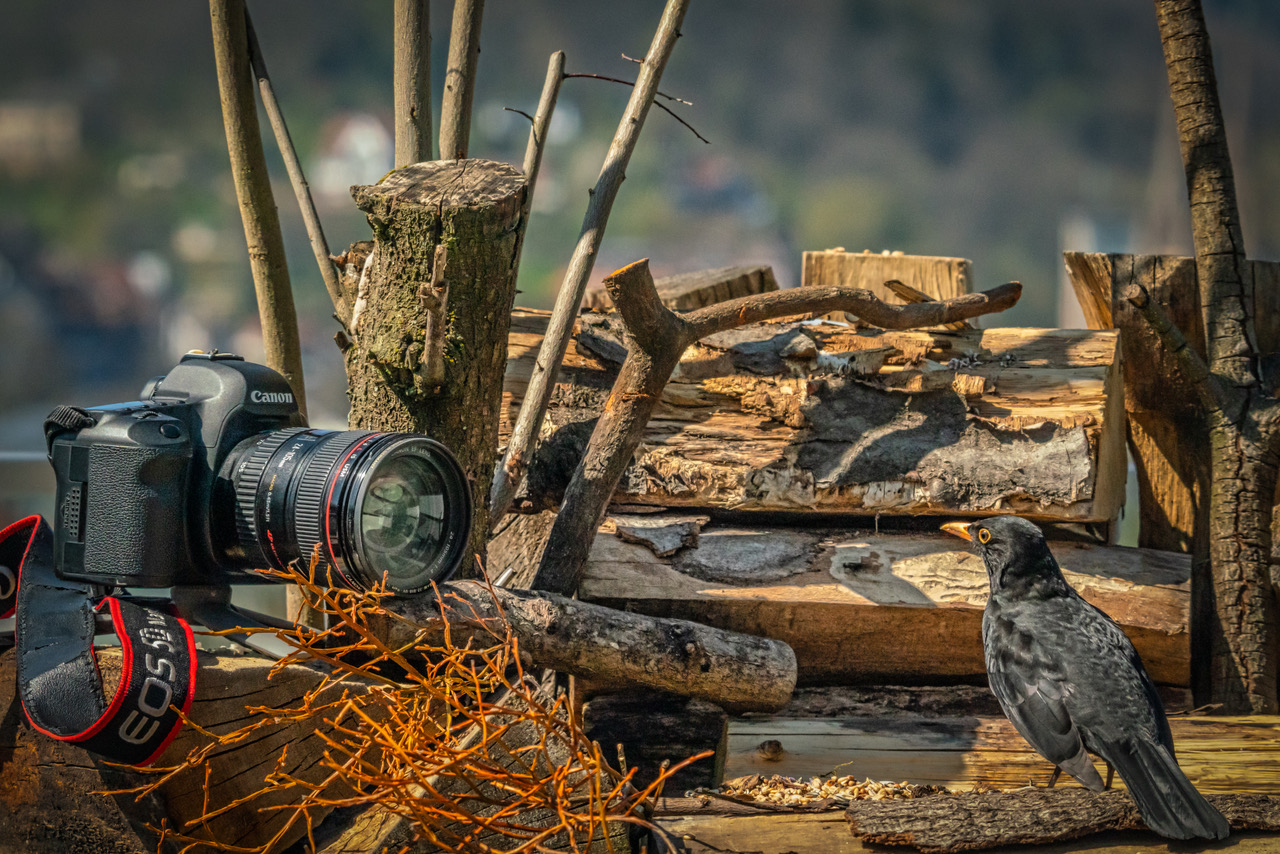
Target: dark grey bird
1071, 683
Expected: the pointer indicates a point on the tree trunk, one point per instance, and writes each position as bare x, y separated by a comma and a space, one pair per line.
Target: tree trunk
473, 209
1241, 634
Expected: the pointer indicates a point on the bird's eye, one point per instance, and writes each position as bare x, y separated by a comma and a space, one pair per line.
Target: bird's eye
984, 536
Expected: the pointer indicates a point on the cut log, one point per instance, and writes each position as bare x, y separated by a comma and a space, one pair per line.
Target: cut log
402, 330
732, 670
686, 291
1163, 409
978, 821
54, 786
937, 277
844, 600
820, 417
1220, 755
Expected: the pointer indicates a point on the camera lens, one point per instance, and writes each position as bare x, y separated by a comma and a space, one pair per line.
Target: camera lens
375, 507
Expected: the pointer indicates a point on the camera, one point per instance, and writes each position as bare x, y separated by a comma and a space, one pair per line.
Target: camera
212, 476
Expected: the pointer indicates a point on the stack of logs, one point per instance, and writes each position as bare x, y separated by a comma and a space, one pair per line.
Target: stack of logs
794, 475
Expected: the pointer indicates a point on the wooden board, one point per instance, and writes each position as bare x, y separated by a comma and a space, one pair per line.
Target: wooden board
1220, 755
846, 599
1166, 421
685, 291
938, 277
818, 416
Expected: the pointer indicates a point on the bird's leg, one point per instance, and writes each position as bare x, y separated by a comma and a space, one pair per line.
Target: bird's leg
1111, 772
1053, 778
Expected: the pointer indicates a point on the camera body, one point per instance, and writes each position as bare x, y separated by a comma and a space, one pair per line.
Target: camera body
136, 502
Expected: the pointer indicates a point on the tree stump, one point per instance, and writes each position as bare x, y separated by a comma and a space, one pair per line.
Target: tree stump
472, 208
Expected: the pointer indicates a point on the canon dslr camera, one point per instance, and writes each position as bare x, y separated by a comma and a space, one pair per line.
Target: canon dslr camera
212, 475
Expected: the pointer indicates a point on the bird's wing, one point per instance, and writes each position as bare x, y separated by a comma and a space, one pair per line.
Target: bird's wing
1029, 682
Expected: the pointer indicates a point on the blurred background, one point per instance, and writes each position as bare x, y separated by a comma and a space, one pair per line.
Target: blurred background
1001, 131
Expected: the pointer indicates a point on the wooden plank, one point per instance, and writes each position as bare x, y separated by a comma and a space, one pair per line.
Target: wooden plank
822, 417
844, 599
687, 291
1166, 422
1219, 755
938, 277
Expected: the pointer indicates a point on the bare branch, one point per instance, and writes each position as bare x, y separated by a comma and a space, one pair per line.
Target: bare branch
541, 123
411, 76
508, 475
662, 107
253, 190
1213, 393
460, 79
301, 190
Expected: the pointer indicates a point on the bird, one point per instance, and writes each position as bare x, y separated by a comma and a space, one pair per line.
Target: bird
1071, 683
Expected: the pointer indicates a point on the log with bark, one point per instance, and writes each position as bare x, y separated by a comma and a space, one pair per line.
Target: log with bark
815, 416
844, 600
978, 821
409, 319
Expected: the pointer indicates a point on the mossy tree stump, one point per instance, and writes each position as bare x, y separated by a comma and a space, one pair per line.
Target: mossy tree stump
472, 208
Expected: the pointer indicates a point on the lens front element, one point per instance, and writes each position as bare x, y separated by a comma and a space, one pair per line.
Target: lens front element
374, 507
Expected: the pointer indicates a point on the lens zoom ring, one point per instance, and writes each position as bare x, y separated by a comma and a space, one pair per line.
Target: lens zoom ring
248, 478
310, 509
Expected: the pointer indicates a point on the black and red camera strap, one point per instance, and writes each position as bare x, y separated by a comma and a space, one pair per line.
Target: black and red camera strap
59, 680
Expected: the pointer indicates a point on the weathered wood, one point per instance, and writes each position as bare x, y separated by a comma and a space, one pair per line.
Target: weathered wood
976, 821
733, 670
845, 599
1164, 415
655, 727
820, 417
938, 277
473, 207
1219, 755
687, 291
51, 785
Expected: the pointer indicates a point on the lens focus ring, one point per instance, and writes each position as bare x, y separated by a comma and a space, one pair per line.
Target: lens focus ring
311, 507
248, 479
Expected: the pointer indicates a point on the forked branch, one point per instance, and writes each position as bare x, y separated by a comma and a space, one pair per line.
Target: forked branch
657, 337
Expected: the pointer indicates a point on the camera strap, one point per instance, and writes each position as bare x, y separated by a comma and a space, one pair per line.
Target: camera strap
59, 680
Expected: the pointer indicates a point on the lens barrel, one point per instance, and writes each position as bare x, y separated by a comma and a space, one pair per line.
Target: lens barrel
389, 508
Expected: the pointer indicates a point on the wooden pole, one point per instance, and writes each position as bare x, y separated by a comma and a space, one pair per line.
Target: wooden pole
301, 190
412, 81
569, 297
253, 190
460, 79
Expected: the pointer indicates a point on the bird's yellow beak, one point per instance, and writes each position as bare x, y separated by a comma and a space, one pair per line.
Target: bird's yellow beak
958, 529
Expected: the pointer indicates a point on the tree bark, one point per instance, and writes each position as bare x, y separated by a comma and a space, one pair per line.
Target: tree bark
1240, 632
253, 190
412, 81
473, 208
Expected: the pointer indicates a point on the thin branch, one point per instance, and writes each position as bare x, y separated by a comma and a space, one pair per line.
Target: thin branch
460, 79
519, 112
1212, 391
253, 191
657, 338
298, 180
629, 83
411, 76
662, 107
507, 477
541, 123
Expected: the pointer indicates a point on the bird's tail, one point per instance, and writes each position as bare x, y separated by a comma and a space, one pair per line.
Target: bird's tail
1169, 804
